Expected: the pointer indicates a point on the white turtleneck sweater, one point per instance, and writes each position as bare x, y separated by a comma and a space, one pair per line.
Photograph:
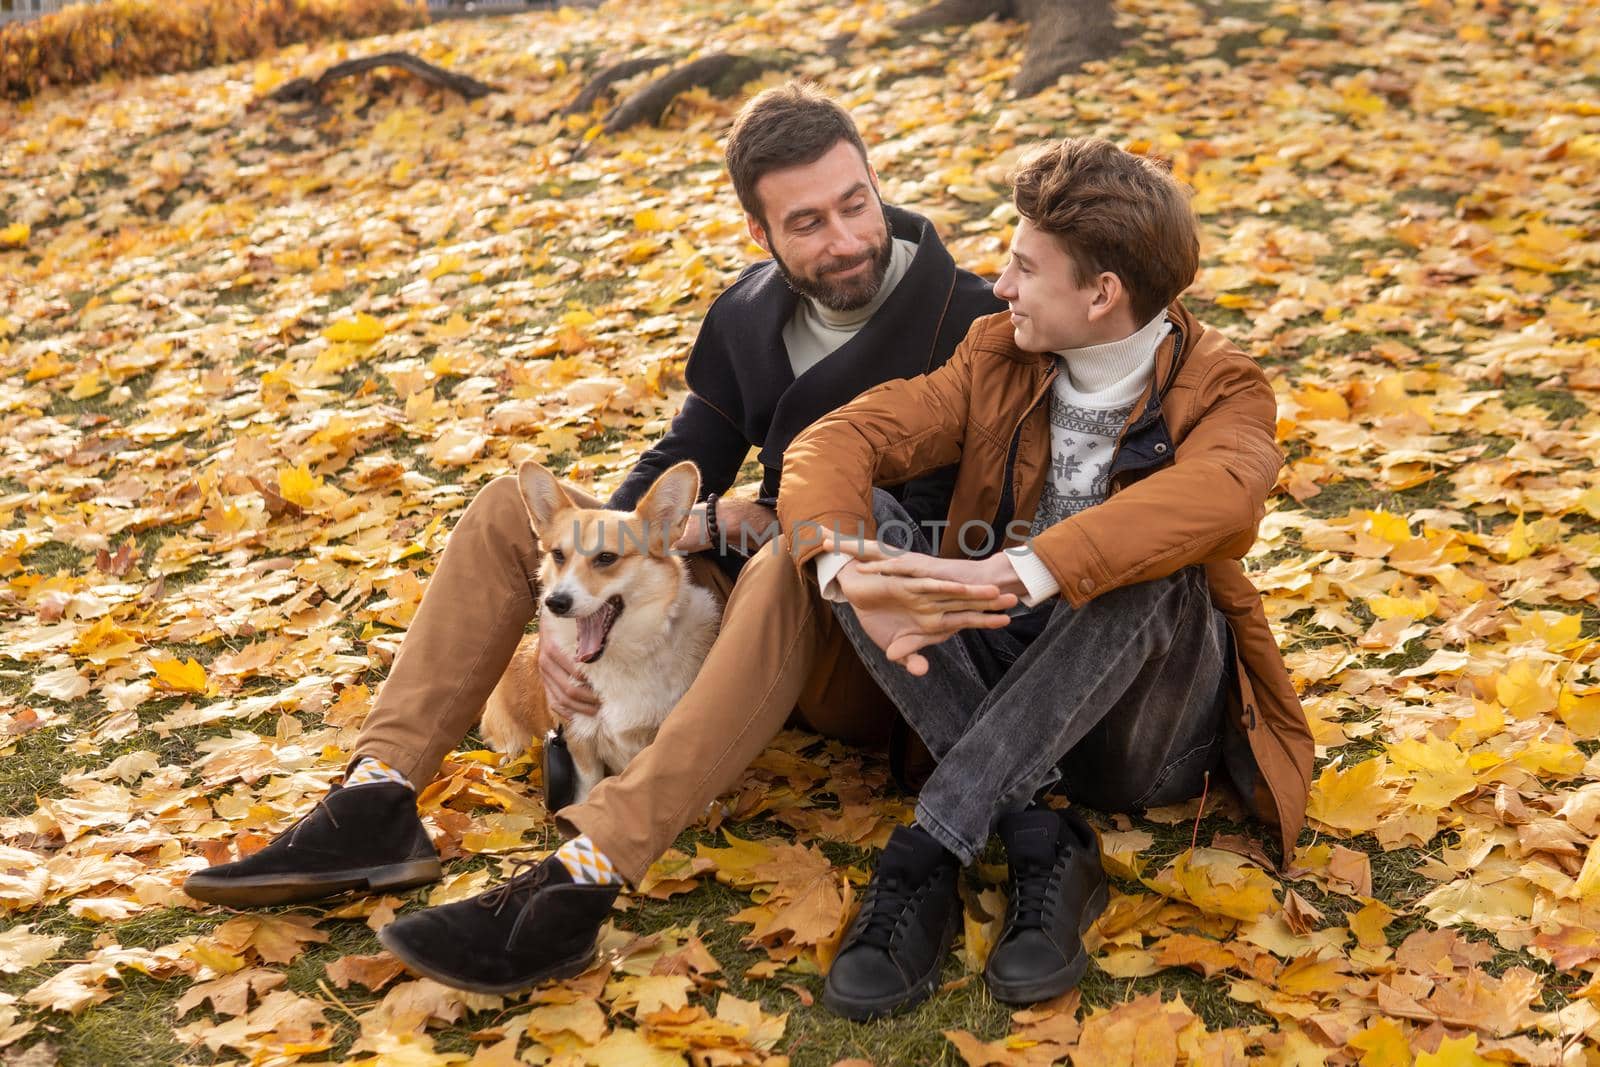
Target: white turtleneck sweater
1090, 402
814, 332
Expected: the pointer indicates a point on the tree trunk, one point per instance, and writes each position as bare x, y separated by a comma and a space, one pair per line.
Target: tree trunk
1062, 37
1062, 34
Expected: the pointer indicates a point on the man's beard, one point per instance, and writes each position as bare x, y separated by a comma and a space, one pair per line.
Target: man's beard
845, 294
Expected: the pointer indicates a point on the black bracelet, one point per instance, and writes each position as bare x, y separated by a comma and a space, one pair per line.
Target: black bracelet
713, 531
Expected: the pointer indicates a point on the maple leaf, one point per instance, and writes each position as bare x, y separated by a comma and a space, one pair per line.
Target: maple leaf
1382, 1044
1350, 798
230, 995
274, 938
362, 328
1143, 1031
373, 972
299, 486
1200, 953
650, 993
1217, 882
584, 1020
629, 1048
21, 949
1455, 1052
184, 676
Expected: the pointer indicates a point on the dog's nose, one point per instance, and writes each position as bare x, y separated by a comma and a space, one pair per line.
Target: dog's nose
559, 603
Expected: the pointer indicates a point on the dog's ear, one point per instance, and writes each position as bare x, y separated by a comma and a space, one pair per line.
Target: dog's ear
542, 494
666, 506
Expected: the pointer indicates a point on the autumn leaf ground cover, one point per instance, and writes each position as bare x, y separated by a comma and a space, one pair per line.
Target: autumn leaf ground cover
255, 358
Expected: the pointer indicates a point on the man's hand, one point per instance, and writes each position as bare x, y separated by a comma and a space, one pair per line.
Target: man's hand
566, 689
745, 526
695, 537
903, 613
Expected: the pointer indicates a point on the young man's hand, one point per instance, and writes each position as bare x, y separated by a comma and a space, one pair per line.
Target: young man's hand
566, 690
906, 612
994, 570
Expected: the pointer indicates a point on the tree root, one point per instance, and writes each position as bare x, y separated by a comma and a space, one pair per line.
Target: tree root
651, 102
602, 82
308, 89
955, 12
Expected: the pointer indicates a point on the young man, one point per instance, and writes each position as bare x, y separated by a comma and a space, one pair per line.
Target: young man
1121, 453
856, 294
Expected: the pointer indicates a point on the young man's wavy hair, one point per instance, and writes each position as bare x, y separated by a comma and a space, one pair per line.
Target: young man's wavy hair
1112, 211
788, 126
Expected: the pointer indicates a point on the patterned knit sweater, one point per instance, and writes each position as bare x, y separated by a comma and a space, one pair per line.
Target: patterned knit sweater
1090, 402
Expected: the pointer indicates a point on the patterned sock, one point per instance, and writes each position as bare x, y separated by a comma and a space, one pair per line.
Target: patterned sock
368, 770
587, 864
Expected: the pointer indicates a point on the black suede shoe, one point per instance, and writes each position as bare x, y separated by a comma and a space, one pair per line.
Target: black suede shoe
1058, 889
891, 956
538, 926
363, 837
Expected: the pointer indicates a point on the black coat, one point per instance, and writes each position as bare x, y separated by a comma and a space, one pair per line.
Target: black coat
743, 393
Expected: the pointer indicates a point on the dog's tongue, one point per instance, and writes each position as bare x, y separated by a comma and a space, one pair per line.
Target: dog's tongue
592, 630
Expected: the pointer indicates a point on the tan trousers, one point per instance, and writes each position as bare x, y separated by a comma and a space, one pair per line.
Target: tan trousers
779, 650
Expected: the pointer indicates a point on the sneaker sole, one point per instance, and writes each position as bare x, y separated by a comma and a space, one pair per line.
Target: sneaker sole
878, 1007
569, 968
1053, 985
268, 889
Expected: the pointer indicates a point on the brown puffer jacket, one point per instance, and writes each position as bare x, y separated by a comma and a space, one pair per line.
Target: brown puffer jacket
1192, 471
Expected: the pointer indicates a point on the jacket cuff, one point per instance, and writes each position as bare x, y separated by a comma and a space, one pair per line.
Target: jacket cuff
804, 536
1042, 585
1073, 561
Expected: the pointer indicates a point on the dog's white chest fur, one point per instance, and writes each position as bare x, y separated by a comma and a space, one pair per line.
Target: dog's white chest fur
648, 664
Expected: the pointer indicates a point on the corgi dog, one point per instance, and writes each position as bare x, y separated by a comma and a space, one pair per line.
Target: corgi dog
619, 601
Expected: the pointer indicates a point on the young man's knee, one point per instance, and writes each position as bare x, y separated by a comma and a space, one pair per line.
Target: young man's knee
895, 525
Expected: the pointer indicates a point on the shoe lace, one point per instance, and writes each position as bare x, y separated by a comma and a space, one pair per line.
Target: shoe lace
528, 877
881, 912
528, 874
321, 805
1033, 883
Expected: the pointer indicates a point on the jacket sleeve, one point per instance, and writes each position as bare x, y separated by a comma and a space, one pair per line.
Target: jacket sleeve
888, 435
1204, 506
699, 432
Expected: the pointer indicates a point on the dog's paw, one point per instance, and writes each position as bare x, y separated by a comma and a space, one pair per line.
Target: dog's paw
505, 732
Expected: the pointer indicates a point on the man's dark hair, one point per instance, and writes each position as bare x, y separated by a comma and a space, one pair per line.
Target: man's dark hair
788, 126
1113, 211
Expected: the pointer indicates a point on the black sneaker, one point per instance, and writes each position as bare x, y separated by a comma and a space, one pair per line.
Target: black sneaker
540, 925
891, 955
361, 837
1058, 889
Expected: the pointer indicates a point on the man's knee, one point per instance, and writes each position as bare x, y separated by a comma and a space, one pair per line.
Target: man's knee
499, 501
770, 569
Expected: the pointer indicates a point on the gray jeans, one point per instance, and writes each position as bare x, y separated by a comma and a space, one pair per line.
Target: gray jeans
1121, 700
